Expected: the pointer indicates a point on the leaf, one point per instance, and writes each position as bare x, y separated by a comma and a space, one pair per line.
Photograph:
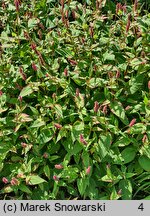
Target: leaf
24, 188
138, 128
104, 145
34, 180
82, 184
123, 141
96, 82
114, 195
136, 83
128, 154
118, 110
47, 171
32, 23
38, 123
26, 91
77, 129
45, 136
108, 56
126, 187
144, 163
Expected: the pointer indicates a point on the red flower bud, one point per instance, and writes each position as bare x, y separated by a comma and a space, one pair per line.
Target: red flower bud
45, 155
1, 93
34, 67
128, 107
82, 140
33, 46
144, 138
14, 181
73, 14
117, 74
58, 126
105, 109
24, 77
58, 166
88, 170
20, 98
119, 192
96, 106
55, 178
4, 180
20, 175
24, 145
72, 62
132, 122
65, 72
26, 35
149, 84
77, 92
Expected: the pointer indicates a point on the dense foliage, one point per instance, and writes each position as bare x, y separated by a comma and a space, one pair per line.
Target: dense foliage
74, 99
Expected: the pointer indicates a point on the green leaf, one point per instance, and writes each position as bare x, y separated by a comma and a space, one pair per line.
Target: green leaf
136, 83
82, 184
108, 56
32, 23
77, 129
26, 91
128, 154
47, 171
45, 136
123, 141
114, 195
118, 110
144, 163
138, 128
38, 123
24, 188
104, 145
35, 179
126, 187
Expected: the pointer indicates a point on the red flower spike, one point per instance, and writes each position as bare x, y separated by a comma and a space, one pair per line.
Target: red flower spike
88, 170
4, 180
82, 140
132, 122
58, 166
17, 3
135, 5
96, 106
128, 23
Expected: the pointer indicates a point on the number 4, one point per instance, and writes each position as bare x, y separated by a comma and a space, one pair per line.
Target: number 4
141, 207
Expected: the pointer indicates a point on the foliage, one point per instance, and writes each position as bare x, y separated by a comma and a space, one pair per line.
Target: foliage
74, 100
